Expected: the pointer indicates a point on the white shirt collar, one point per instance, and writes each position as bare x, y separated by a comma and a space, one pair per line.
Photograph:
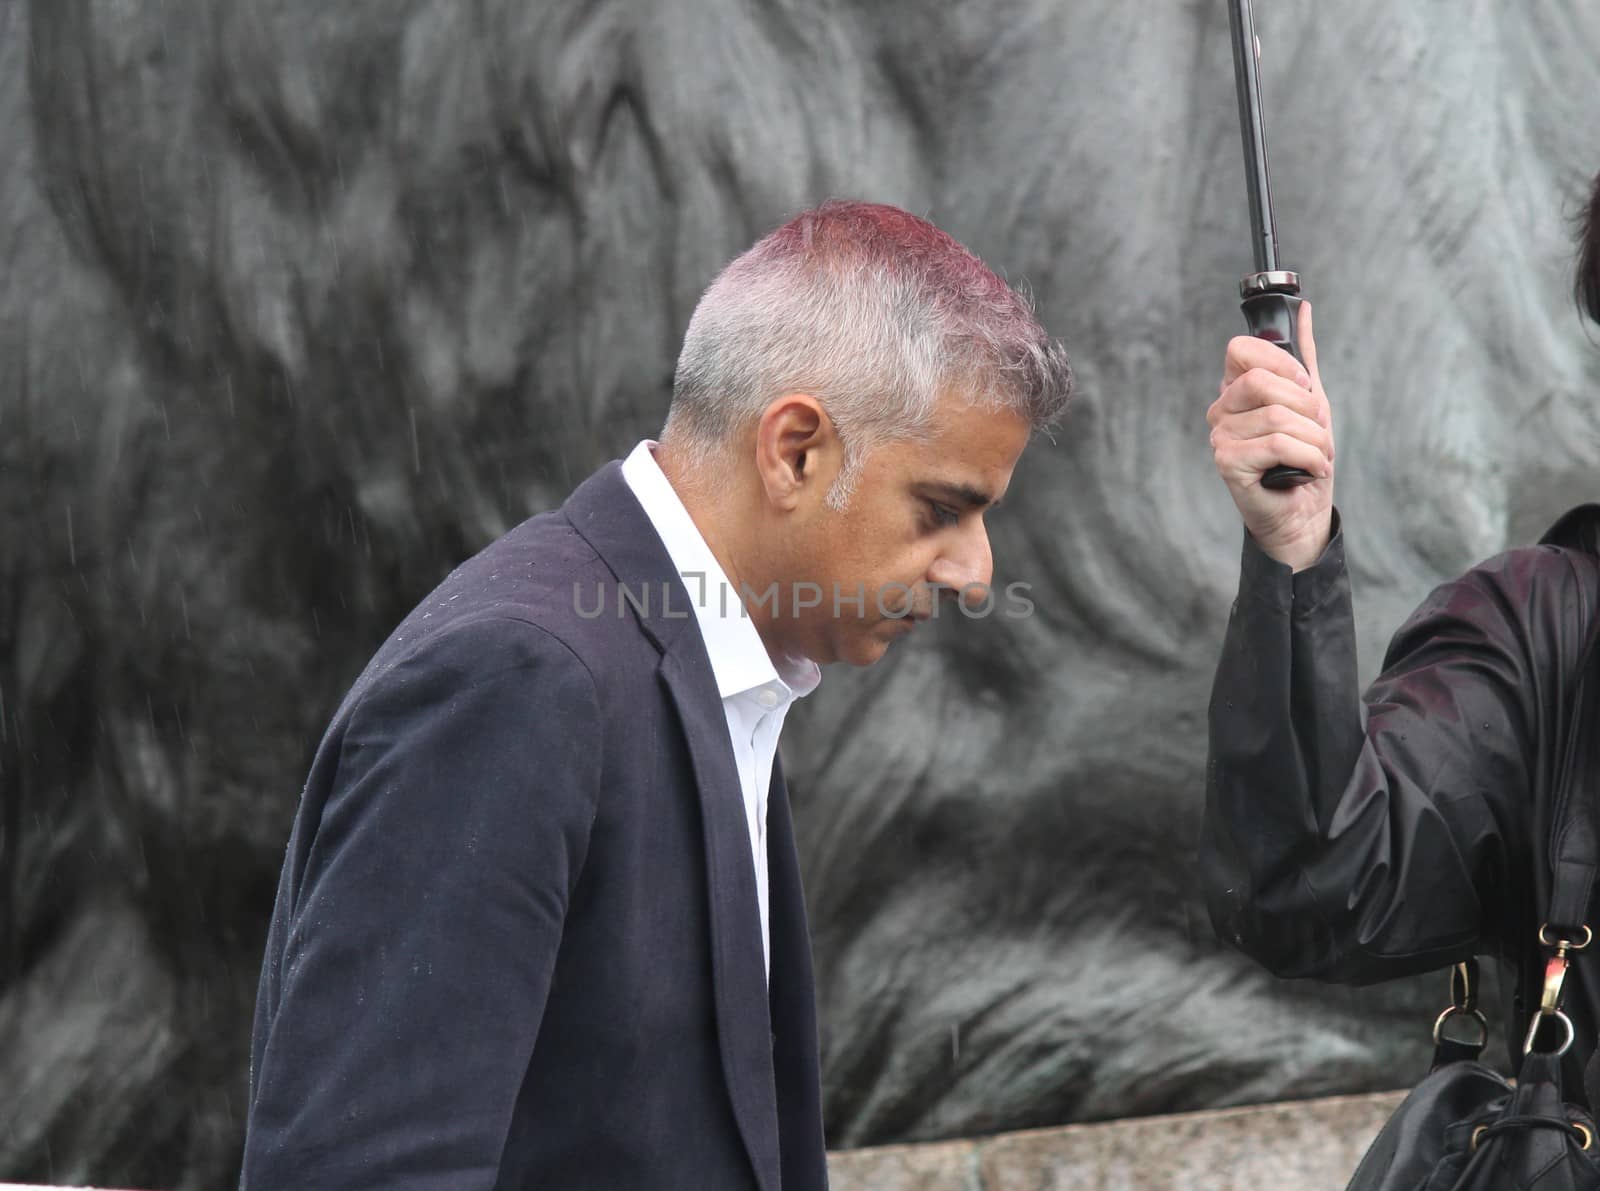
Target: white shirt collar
739, 660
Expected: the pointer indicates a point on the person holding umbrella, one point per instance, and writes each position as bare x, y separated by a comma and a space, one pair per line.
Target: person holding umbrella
1357, 837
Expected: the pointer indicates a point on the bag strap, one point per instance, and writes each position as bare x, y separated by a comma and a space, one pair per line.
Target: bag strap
1574, 846
1574, 854
1574, 849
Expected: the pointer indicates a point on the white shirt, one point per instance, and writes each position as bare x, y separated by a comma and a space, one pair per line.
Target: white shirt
755, 697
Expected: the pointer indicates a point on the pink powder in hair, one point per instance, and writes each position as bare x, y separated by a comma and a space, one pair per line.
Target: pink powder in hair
894, 240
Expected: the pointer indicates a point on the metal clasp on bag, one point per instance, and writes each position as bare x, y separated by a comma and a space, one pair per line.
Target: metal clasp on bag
1463, 1002
1555, 977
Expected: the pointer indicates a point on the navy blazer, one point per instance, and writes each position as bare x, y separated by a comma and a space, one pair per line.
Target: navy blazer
516, 941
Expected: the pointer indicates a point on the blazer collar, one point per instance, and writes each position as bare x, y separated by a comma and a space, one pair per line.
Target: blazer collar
605, 512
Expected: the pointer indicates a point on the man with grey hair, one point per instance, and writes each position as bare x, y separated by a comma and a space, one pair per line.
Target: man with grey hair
540, 922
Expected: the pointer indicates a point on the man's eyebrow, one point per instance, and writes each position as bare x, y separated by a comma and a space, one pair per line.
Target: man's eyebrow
962, 494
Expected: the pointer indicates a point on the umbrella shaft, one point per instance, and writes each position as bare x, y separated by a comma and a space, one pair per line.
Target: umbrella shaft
1264, 235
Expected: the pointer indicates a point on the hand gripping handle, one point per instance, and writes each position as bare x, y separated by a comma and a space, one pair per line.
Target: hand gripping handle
1271, 305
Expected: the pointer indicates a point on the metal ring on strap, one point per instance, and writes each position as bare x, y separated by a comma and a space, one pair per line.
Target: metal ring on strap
1459, 1011
1533, 1030
1588, 937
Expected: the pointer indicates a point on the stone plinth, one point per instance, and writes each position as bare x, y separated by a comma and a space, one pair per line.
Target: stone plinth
1311, 1145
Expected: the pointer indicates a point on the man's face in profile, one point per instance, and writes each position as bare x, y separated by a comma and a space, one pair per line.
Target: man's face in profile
912, 529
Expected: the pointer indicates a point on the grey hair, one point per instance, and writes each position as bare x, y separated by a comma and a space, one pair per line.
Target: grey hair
875, 313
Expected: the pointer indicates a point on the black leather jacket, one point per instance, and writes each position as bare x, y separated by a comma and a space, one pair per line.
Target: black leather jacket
1357, 838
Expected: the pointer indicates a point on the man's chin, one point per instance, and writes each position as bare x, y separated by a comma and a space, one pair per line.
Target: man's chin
865, 648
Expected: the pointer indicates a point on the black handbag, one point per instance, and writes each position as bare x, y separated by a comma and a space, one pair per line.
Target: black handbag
1465, 1127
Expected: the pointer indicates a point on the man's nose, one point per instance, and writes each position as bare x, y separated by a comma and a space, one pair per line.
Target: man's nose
965, 569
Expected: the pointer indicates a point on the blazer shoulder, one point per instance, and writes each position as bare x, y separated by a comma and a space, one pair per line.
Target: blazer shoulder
483, 648
541, 586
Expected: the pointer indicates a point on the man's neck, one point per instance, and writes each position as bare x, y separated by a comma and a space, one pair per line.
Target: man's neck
719, 515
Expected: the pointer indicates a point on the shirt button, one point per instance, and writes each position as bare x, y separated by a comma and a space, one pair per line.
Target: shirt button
767, 697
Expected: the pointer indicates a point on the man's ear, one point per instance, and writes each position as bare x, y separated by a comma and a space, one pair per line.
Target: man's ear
797, 450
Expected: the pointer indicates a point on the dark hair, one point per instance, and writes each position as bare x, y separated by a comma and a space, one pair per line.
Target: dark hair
1587, 283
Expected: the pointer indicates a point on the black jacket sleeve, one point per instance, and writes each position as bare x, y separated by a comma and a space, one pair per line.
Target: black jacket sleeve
424, 929
1361, 838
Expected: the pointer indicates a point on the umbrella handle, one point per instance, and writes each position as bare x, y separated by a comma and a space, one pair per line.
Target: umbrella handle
1271, 308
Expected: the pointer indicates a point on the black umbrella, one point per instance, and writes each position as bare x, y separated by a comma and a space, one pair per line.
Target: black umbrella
1271, 296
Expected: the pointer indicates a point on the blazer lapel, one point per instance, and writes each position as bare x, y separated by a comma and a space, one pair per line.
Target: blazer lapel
794, 1006
743, 1025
